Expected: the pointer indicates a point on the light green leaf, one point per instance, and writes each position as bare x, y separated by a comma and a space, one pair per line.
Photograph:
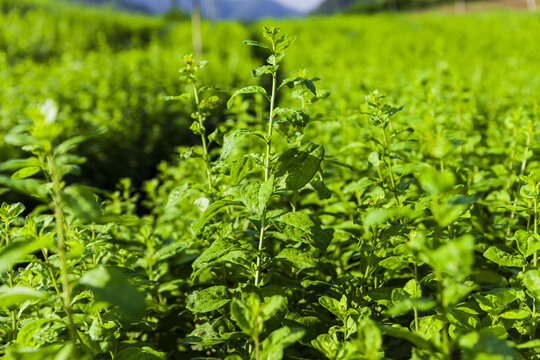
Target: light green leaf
531, 280
503, 258
273, 345
80, 201
110, 285
15, 296
247, 90
25, 172
209, 299
140, 353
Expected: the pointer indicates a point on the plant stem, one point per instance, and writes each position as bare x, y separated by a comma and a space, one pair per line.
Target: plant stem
389, 165
415, 309
60, 232
203, 140
51, 272
11, 283
267, 163
535, 225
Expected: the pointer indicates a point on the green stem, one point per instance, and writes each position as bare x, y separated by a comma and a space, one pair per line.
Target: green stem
415, 309
267, 163
60, 232
389, 165
203, 140
51, 272
535, 258
11, 283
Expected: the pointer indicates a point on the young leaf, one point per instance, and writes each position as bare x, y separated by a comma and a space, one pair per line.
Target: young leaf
247, 90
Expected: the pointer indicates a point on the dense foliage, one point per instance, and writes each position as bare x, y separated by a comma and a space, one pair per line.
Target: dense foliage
299, 214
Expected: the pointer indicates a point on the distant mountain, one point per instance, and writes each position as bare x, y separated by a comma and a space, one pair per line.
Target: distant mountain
332, 6
218, 9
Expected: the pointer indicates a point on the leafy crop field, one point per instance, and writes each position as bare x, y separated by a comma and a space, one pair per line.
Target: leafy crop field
349, 187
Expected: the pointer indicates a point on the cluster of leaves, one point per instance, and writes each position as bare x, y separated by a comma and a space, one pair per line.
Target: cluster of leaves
283, 234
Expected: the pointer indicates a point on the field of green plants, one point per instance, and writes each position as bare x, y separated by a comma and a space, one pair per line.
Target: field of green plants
346, 187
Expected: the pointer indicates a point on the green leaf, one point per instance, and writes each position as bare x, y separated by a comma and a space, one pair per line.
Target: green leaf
241, 314
17, 164
297, 166
209, 299
516, 314
110, 285
531, 280
405, 334
265, 192
230, 141
435, 182
31, 187
140, 353
256, 43
322, 190
26, 172
178, 195
528, 244
38, 332
262, 70
503, 258
273, 345
80, 201
292, 121
211, 211
16, 296
247, 90
302, 227
218, 248
299, 259
17, 250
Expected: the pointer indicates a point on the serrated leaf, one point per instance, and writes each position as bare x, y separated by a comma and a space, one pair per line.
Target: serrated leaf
209, 299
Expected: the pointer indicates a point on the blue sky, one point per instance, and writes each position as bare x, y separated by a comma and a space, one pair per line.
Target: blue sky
302, 5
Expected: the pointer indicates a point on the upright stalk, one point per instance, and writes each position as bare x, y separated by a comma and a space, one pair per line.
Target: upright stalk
11, 283
389, 165
60, 232
203, 140
535, 225
267, 163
